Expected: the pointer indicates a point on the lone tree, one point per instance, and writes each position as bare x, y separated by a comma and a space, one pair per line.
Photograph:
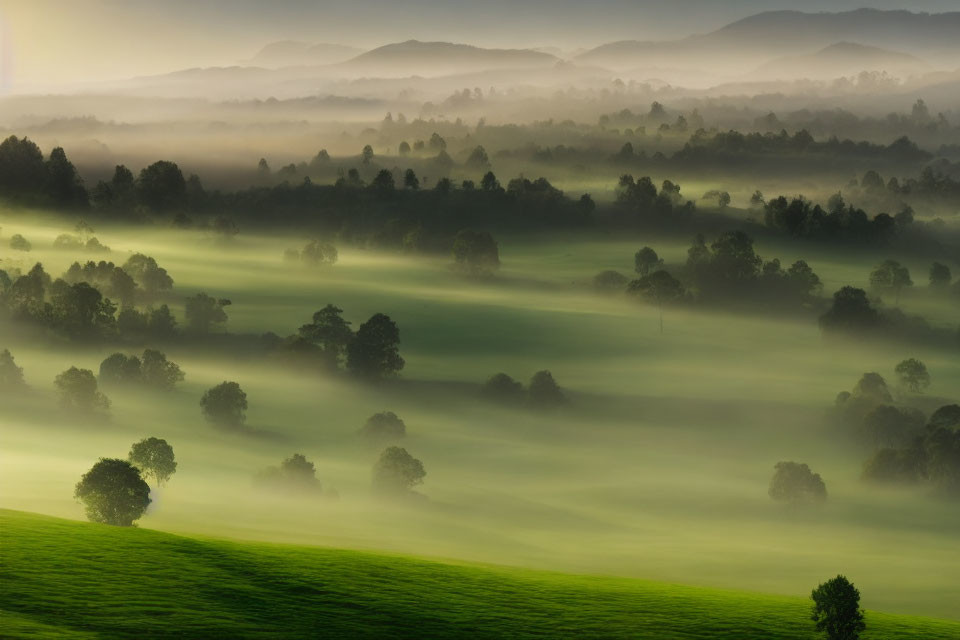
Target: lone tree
78, 391
374, 350
544, 390
476, 252
203, 312
851, 313
11, 376
384, 426
659, 287
794, 483
113, 492
836, 609
913, 375
154, 457
646, 260
502, 388
891, 276
940, 275
397, 472
296, 473
225, 404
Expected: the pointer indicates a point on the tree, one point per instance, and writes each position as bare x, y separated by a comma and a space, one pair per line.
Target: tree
913, 375
851, 313
154, 457
502, 388
476, 252
489, 183
404, 148
11, 376
202, 312
64, 185
119, 368
946, 417
161, 186
383, 182
891, 276
158, 372
437, 143
544, 391
19, 243
373, 352
367, 154
113, 492
384, 426
78, 391
161, 323
331, 332
410, 180
889, 426
646, 260
836, 609
659, 287
397, 472
225, 404
148, 274
478, 158
940, 275
322, 253
795, 483
610, 280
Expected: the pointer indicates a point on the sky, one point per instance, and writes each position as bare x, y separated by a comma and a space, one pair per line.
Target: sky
50, 42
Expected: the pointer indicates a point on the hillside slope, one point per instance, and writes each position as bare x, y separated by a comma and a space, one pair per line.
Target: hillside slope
67, 579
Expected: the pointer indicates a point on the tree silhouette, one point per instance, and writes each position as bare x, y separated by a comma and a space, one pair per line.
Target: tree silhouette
112, 492
373, 352
225, 404
397, 472
836, 609
154, 457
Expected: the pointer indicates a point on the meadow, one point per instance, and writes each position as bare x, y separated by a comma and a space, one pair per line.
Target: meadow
77, 580
657, 468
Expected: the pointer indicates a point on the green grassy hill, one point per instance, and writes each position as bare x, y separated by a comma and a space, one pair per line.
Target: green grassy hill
67, 579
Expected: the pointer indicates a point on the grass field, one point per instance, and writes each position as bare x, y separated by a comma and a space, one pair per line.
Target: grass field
66, 579
657, 469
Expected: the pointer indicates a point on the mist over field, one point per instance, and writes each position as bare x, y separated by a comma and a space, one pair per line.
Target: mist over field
708, 236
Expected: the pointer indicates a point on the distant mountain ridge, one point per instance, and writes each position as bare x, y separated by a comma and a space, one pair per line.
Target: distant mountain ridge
414, 57
933, 37
287, 53
842, 59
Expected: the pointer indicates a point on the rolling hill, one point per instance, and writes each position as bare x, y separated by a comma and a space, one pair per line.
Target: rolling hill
68, 579
287, 53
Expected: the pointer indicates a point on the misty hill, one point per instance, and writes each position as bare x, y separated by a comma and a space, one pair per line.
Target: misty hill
841, 59
775, 34
288, 53
65, 579
441, 58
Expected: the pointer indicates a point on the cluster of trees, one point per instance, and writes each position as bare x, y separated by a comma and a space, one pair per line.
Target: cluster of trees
853, 315
327, 342
80, 304
934, 186
475, 252
644, 204
734, 146
794, 483
27, 178
314, 253
114, 491
542, 392
908, 447
838, 222
295, 475
152, 370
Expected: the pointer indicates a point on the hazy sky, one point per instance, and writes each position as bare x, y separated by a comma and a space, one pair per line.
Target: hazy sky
57, 41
